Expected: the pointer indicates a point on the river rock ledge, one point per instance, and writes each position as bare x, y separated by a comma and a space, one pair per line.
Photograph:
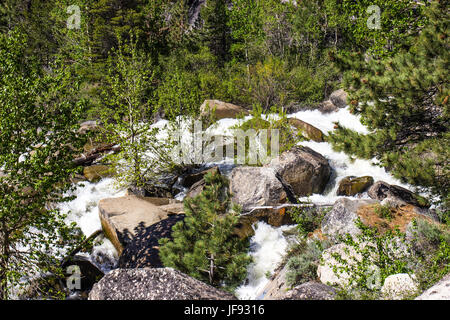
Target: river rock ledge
154, 284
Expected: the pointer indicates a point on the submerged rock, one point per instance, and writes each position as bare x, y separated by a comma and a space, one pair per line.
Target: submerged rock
154, 284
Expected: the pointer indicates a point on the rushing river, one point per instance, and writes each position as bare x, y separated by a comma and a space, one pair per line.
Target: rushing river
268, 245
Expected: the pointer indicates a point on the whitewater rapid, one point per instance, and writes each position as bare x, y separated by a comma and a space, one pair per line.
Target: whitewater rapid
268, 245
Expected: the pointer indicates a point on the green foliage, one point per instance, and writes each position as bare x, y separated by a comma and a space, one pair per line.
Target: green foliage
287, 136
39, 112
431, 245
308, 219
374, 257
303, 261
204, 245
384, 211
422, 252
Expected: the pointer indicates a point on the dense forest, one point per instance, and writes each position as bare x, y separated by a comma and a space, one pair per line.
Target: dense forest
129, 63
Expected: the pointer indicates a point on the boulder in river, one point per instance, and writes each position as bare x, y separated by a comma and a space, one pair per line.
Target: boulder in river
142, 250
343, 216
308, 130
256, 186
221, 109
339, 98
154, 284
123, 217
350, 186
381, 190
305, 170
96, 172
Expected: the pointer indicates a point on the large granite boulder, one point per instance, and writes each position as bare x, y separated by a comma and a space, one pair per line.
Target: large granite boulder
154, 284
399, 287
326, 269
310, 291
343, 216
122, 218
381, 190
256, 186
350, 186
305, 170
221, 110
440, 291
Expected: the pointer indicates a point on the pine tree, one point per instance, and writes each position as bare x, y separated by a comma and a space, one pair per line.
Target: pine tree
404, 101
216, 33
204, 245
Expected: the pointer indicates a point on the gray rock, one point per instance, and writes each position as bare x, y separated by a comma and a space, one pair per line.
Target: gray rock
399, 287
342, 218
154, 284
310, 291
255, 186
277, 287
381, 190
440, 291
325, 270
221, 110
339, 98
305, 170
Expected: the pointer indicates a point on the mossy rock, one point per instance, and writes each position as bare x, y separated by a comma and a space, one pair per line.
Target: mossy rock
350, 186
309, 131
97, 172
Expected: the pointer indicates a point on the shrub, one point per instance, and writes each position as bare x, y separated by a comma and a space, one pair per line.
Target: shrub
304, 260
308, 219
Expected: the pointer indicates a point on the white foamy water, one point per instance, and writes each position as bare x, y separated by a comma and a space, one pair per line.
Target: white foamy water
84, 211
267, 248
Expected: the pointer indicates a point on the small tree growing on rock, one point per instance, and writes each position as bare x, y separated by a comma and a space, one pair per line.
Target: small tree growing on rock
204, 245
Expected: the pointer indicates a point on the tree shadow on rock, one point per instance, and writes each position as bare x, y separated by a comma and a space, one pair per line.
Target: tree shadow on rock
142, 249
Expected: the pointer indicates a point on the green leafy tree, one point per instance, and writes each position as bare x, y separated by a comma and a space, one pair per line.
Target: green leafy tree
127, 117
39, 114
204, 245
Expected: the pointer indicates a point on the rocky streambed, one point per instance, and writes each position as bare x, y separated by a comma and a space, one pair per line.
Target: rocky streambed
310, 172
